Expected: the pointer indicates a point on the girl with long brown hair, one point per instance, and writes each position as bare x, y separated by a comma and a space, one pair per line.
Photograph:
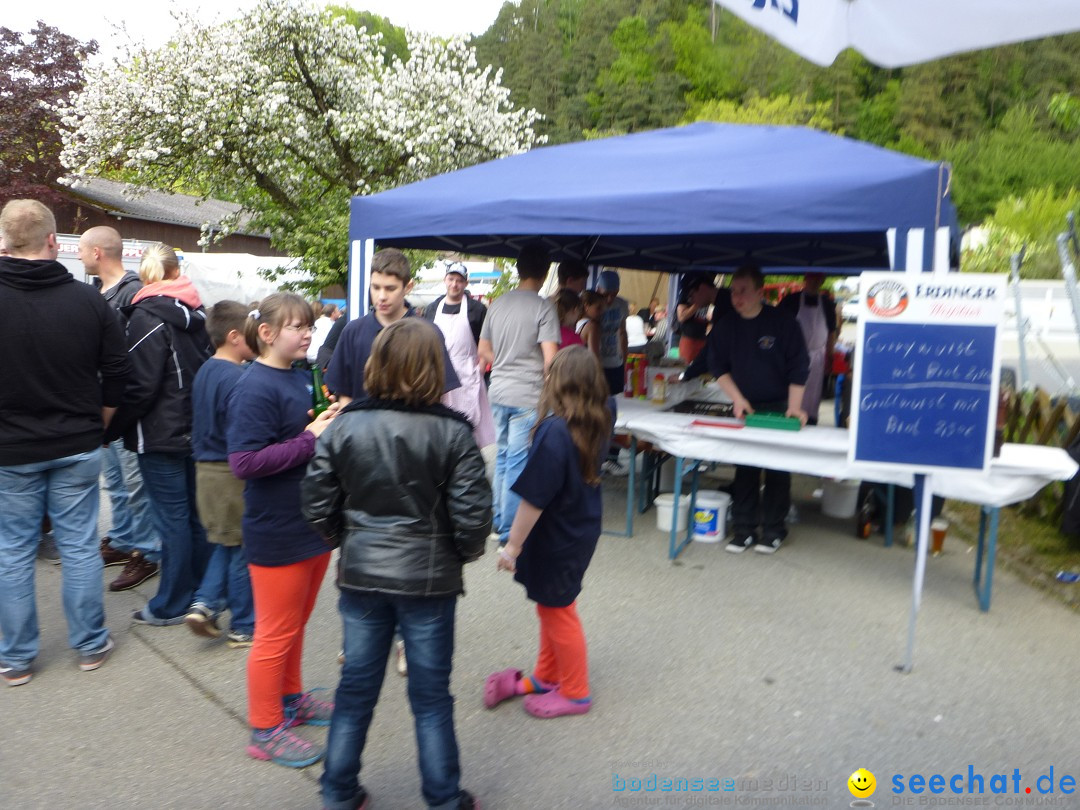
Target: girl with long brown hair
554, 533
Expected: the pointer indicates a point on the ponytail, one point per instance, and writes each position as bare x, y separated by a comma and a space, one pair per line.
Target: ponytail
159, 263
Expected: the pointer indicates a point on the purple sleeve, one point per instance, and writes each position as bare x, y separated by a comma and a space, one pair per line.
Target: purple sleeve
273, 458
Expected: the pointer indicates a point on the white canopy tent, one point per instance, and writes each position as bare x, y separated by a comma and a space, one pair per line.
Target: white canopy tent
894, 33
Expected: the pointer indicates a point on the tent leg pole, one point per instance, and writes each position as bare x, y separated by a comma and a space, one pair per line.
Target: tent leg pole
924, 502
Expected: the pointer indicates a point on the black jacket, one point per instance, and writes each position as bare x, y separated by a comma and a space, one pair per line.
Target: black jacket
404, 493
120, 294
474, 311
63, 359
167, 343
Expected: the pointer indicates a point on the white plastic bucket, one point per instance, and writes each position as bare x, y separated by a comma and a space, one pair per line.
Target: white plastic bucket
664, 505
840, 498
710, 516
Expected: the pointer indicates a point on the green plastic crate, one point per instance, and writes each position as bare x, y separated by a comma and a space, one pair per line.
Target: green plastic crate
774, 421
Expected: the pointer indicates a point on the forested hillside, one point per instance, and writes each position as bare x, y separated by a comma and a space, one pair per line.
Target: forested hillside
1004, 117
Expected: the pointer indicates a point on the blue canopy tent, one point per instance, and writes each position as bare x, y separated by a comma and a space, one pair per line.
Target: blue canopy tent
705, 196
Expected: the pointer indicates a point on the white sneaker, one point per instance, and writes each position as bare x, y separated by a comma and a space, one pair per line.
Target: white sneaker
615, 468
401, 665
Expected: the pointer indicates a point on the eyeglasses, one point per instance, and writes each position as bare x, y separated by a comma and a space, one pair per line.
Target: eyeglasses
300, 330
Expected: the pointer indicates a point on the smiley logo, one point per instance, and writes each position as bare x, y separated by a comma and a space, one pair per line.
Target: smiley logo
862, 783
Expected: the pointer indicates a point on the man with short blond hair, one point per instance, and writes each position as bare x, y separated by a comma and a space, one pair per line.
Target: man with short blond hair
58, 389
27, 226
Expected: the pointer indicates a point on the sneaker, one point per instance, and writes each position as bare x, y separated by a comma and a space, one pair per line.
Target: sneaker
237, 640
136, 572
769, 546
615, 468
202, 621
47, 549
144, 616
401, 664
468, 801
740, 543
15, 676
88, 662
308, 710
283, 747
110, 556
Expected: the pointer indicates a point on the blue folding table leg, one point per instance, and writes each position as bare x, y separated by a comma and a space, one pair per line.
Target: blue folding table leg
674, 547
986, 550
630, 488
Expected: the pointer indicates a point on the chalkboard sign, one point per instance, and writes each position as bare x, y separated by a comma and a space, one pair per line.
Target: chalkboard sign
924, 394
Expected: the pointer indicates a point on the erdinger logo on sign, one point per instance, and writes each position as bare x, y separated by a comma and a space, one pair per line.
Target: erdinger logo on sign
887, 299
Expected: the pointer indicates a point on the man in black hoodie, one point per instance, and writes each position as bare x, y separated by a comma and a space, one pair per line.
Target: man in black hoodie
61, 379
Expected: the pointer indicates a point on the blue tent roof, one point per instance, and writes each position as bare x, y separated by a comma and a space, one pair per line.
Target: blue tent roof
705, 195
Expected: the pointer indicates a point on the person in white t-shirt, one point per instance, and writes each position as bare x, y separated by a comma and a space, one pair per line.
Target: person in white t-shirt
323, 322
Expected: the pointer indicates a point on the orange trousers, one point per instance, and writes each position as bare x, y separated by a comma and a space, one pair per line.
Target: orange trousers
563, 658
284, 598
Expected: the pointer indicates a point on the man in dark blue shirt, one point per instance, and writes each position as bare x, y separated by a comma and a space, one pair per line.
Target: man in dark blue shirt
758, 357
391, 281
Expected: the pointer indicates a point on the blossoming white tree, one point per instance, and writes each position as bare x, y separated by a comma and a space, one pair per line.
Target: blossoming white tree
290, 111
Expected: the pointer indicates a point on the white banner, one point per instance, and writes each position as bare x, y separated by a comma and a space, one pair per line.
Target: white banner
893, 33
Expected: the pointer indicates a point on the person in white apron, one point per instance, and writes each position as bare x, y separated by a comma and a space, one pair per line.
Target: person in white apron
812, 308
471, 398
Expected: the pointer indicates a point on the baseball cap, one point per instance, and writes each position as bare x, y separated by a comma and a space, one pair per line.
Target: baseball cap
609, 281
459, 268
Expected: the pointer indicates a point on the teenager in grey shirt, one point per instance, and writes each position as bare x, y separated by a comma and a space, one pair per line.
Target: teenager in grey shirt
519, 338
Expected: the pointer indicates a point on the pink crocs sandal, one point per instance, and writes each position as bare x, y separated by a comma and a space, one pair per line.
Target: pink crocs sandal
553, 704
500, 686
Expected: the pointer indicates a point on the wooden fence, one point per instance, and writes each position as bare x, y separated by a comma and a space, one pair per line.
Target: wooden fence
1035, 417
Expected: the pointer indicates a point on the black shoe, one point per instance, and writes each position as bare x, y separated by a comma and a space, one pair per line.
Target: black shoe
468, 801
740, 543
47, 549
769, 546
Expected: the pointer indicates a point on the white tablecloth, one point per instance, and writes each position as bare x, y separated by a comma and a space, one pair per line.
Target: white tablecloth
1020, 472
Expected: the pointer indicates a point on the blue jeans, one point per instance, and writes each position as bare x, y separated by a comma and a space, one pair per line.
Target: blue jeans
512, 427
132, 525
427, 624
170, 483
67, 490
227, 583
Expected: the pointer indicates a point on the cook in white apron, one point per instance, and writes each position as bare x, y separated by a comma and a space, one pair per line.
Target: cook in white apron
816, 333
471, 398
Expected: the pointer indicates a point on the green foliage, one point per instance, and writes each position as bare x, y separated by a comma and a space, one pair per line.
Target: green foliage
506, 282
876, 117
1065, 112
393, 40
778, 110
1033, 220
1020, 154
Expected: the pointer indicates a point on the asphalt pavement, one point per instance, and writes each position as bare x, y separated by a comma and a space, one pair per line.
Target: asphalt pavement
759, 680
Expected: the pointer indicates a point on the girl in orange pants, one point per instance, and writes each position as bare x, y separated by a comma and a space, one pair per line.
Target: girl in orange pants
554, 533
